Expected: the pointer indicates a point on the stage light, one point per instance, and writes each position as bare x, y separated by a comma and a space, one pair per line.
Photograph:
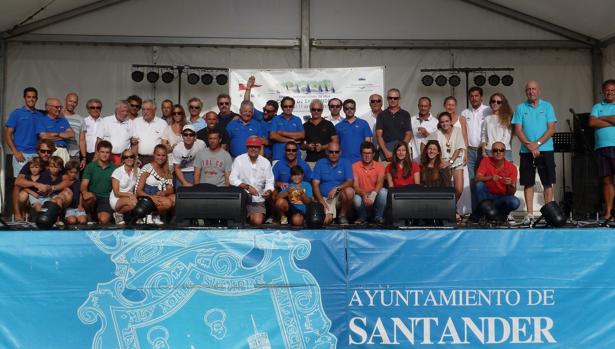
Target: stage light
440, 80
427, 80
221, 79
167, 77
152, 76
507, 80
494, 80
479, 80
488, 209
553, 214
48, 215
193, 78
137, 76
454, 80
207, 79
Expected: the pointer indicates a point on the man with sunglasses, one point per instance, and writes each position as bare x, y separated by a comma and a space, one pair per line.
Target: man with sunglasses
195, 105
319, 133
392, 125
423, 124
134, 105
89, 126
184, 154
211, 119
375, 106
285, 127
352, 132
55, 128
20, 130
496, 179
281, 175
335, 108
270, 110
225, 116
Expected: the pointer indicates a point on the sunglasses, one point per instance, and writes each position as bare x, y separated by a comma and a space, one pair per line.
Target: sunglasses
375, 100
129, 157
138, 106
294, 150
288, 106
316, 110
495, 102
335, 106
224, 103
268, 111
333, 152
349, 108
178, 113
392, 98
46, 151
194, 107
95, 108
188, 134
498, 150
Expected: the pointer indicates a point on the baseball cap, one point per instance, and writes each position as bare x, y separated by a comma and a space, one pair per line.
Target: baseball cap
253, 141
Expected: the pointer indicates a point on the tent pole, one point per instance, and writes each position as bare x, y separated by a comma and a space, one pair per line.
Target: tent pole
305, 33
597, 71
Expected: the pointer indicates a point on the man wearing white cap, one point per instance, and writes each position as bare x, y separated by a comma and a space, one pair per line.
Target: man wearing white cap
252, 173
184, 154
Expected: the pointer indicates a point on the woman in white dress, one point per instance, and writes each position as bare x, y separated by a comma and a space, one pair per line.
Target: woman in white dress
497, 127
123, 179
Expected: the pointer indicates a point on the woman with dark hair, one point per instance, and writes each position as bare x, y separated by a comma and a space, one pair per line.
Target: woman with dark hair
156, 182
497, 127
453, 146
432, 174
402, 171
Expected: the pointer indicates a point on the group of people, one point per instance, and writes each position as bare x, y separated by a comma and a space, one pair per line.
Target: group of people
98, 166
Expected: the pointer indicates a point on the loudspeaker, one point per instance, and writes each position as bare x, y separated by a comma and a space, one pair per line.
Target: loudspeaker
204, 201
418, 202
586, 187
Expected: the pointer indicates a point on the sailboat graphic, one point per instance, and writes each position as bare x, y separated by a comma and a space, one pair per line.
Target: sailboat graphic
259, 340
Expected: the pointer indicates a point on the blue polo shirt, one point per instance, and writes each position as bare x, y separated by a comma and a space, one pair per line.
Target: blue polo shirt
281, 170
280, 123
48, 124
331, 176
23, 121
239, 132
266, 126
351, 136
605, 137
257, 115
535, 121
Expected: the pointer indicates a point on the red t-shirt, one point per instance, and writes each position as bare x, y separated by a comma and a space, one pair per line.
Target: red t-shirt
508, 170
398, 180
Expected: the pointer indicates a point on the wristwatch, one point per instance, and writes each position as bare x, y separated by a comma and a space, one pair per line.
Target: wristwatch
539, 143
451, 161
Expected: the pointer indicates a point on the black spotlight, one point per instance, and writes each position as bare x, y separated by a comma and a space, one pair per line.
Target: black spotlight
507, 80
454, 80
427, 80
207, 79
137, 76
193, 79
440, 80
221, 79
316, 215
152, 76
144, 206
553, 214
48, 215
167, 77
494, 80
488, 209
479, 80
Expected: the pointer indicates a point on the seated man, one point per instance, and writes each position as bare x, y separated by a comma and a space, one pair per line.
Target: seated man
184, 154
282, 176
496, 180
332, 184
368, 185
252, 173
44, 150
96, 183
213, 164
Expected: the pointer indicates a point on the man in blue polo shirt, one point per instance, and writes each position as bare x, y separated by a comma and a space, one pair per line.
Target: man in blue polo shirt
239, 130
332, 183
282, 176
351, 132
270, 110
285, 127
20, 130
534, 122
602, 118
55, 128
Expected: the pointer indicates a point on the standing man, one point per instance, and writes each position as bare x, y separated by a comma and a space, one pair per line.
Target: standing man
87, 136
423, 124
20, 130
285, 127
166, 108
335, 108
375, 106
252, 173
393, 125
602, 118
96, 184
213, 165
194, 109
55, 128
118, 130
147, 132
270, 110
534, 122
134, 103
475, 116
225, 115
241, 129
74, 120
352, 131
370, 194
319, 133
211, 119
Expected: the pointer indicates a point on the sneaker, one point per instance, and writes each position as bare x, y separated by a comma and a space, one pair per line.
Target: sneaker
283, 220
342, 220
269, 220
529, 219
118, 218
149, 219
359, 221
156, 220
510, 218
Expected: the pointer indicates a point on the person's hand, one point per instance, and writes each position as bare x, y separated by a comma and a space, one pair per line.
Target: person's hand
465, 157
324, 204
311, 147
531, 146
423, 132
367, 200
250, 82
387, 154
536, 153
484, 151
283, 186
332, 193
266, 194
252, 191
496, 178
507, 180
19, 156
82, 164
88, 196
318, 147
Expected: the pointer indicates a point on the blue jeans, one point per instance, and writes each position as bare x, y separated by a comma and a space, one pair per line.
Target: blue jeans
504, 203
377, 208
474, 158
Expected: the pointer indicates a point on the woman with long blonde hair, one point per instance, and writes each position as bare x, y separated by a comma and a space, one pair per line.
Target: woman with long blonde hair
497, 127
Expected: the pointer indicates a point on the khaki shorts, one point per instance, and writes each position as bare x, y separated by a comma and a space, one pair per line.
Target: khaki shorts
333, 205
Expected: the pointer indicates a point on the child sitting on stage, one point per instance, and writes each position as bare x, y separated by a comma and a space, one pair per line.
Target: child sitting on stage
75, 213
299, 195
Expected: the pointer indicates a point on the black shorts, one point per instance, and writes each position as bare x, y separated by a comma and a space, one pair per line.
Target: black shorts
545, 164
605, 157
103, 205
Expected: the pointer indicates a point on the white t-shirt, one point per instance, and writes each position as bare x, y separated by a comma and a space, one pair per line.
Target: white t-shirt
259, 175
431, 125
115, 131
127, 181
474, 120
170, 136
148, 133
89, 126
185, 157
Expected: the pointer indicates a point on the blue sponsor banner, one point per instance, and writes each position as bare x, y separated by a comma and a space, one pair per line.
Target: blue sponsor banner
307, 289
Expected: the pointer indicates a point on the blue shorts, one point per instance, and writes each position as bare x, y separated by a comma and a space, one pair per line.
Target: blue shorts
38, 200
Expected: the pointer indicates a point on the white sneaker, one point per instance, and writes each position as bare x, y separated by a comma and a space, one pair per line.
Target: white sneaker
283, 220
149, 219
510, 218
118, 218
529, 219
156, 220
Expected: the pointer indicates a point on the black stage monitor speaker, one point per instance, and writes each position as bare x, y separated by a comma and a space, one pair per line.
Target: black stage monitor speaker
417, 202
208, 202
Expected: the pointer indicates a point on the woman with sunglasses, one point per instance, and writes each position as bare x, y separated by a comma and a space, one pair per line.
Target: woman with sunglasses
172, 135
123, 180
432, 174
156, 182
402, 171
497, 127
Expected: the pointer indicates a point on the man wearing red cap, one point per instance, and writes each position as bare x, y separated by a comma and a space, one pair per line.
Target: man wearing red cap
252, 173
